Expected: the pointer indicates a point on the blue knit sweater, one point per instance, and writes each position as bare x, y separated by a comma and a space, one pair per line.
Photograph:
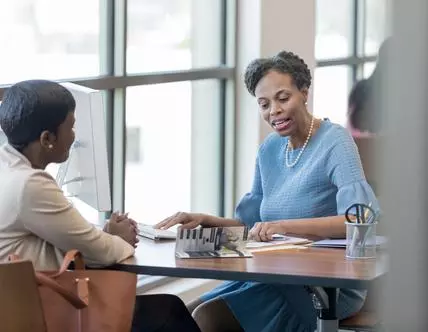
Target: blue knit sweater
326, 180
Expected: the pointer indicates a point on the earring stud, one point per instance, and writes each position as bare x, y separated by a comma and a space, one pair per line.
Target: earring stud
50, 146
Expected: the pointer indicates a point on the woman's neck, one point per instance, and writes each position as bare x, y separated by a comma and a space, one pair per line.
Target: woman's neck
34, 158
299, 138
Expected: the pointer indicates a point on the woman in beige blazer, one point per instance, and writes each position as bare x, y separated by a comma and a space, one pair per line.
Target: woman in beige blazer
37, 222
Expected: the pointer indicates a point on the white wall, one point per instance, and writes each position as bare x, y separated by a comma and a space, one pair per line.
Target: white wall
264, 28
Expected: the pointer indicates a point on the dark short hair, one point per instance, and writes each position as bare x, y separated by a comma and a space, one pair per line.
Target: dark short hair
284, 62
31, 107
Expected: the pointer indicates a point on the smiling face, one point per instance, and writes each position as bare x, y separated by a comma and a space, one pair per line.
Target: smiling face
281, 103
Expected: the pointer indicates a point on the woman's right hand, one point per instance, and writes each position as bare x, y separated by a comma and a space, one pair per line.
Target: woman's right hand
123, 227
187, 220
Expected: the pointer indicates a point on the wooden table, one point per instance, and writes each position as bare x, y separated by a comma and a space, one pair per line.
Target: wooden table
325, 270
310, 266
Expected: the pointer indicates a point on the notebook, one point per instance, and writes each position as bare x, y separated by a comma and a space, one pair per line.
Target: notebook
341, 243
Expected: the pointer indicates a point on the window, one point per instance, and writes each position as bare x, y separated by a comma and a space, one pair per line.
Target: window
3, 138
173, 34
181, 126
49, 39
374, 25
332, 85
334, 29
368, 68
348, 36
133, 145
164, 69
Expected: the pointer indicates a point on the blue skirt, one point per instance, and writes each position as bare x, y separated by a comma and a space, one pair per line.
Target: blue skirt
270, 308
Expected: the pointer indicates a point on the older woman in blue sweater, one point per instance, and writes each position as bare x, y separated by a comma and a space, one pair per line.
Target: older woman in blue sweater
307, 173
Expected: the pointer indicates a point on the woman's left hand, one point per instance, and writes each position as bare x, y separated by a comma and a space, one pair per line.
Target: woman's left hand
263, 231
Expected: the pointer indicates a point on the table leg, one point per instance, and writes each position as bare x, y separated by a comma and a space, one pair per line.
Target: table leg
325, 300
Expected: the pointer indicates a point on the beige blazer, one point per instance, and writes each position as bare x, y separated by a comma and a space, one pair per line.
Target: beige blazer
39, 223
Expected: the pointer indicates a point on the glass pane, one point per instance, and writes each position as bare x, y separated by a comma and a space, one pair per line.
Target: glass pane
368, 69
3, 138
173, 149
49, 39
375, 25
173, 34
331, 89
333, 29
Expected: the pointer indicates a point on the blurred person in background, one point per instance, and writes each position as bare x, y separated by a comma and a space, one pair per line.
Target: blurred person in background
363, 109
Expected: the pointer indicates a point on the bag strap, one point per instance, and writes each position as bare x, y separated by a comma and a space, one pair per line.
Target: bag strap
79, 302
72, 298
70, 256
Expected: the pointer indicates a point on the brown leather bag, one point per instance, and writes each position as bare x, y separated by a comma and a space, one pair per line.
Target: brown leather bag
20, 305
86, 300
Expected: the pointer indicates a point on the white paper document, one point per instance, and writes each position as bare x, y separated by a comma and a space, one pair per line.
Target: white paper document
283, 240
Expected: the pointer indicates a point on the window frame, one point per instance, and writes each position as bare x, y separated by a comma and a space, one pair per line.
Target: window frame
113, 62
113, 36
357, 59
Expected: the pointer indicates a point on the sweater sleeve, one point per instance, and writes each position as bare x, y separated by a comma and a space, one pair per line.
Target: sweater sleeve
47, 213
248, 209
346, 173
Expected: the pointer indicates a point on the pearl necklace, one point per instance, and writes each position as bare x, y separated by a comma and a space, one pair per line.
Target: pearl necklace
288, 147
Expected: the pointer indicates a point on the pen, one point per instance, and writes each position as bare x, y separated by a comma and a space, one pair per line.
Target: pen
373, 218
370, 220
363, 215
357, 213
366, 213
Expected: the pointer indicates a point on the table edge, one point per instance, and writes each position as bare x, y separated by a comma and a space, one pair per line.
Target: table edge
267, 278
